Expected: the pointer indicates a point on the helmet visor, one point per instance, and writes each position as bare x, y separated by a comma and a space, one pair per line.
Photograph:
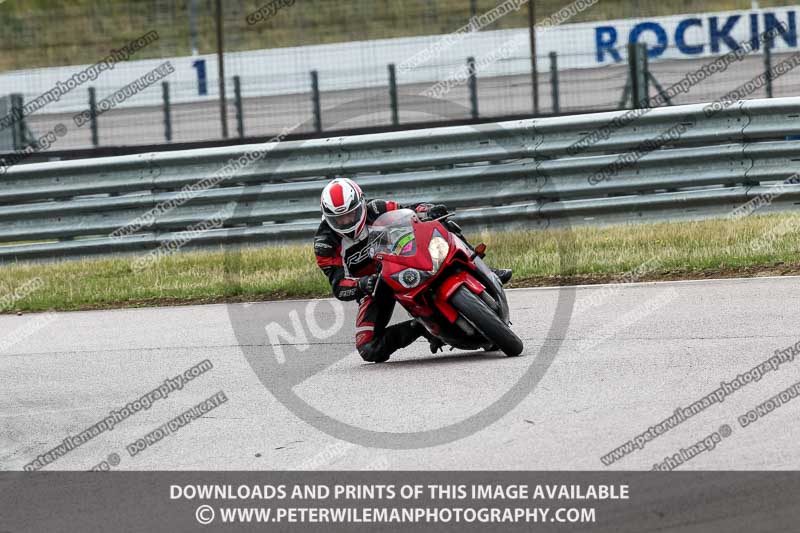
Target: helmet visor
348, 221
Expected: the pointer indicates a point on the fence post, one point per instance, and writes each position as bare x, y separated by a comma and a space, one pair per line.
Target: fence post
393, 94
659, 88
637, 65
768, 66
315, 101
237, 102
167, 111
473, 87
19, 139
93, 116
554, 82
8, 141
534, 67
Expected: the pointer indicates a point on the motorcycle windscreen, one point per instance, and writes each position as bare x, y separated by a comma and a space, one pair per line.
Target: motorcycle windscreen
393, 233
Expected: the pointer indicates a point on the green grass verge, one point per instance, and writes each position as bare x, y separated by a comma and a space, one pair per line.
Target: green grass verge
749, 246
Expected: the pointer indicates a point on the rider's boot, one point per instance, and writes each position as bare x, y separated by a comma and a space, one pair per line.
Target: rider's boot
503, 274
436, 343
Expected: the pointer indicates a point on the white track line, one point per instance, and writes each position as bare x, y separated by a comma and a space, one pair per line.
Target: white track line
592, 285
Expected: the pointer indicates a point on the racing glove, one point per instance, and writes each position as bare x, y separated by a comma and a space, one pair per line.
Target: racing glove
434, 212
367, 284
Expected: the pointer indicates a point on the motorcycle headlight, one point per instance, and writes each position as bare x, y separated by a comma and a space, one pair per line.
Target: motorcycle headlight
409, 278
438, 250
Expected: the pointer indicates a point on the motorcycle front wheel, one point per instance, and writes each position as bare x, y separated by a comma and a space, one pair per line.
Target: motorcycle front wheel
482, 318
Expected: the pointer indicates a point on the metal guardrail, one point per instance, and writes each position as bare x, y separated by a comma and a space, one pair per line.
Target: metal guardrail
512, 174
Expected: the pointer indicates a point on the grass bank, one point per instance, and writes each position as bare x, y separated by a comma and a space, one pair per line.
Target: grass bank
680, 250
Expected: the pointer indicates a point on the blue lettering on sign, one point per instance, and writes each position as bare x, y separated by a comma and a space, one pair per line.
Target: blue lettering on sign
605, 37
680, 40
202, 82
715, 33
720, 31
755, 42
661, 35
789, 35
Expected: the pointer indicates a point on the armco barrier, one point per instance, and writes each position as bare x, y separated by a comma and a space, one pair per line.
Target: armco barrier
506, 175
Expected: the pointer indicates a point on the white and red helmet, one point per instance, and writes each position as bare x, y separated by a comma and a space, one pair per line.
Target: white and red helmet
344, 207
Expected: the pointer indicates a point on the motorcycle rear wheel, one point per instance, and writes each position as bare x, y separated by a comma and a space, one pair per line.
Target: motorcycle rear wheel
482, 318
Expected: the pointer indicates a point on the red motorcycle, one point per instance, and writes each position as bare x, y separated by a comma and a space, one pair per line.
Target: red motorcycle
442, 282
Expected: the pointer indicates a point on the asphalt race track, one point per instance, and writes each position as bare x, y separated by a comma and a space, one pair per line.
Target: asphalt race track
631, 355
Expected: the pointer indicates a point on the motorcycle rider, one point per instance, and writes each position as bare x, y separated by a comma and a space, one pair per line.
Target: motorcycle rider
342, 252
